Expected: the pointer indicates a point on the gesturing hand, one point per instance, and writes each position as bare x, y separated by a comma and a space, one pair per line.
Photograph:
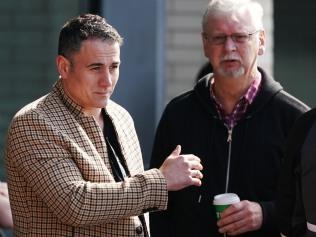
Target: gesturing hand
181, 171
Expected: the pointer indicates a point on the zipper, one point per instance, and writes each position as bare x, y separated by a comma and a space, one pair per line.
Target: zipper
229, 140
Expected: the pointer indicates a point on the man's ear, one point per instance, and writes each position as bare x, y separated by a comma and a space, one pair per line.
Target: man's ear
63, 66
205, 44
262, 40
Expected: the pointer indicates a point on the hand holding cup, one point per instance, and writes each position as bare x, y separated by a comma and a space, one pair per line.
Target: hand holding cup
223, 201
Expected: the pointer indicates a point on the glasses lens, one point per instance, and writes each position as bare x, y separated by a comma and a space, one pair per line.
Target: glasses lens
240, 38
237, 38
217, 39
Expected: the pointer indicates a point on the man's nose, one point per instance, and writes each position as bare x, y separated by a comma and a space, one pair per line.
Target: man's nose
106, 79
230, 44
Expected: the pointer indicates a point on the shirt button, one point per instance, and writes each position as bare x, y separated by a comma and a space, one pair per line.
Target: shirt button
139, 230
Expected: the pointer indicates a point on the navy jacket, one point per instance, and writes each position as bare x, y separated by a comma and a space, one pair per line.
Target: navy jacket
296, 204
191, 120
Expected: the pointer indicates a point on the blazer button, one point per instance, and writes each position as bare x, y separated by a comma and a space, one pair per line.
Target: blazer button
139, 230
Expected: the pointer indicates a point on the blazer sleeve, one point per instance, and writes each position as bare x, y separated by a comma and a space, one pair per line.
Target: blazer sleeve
43, 158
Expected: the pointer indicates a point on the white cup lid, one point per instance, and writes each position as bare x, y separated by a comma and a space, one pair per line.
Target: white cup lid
226, 198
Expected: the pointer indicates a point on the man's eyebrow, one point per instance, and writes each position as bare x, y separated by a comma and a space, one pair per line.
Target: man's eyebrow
101, 64
95, 65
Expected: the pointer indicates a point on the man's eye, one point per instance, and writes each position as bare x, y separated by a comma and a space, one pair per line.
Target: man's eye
95, 68
241, 37
113, 67
218, 38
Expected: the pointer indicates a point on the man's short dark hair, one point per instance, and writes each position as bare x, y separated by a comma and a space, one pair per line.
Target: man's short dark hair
84, 27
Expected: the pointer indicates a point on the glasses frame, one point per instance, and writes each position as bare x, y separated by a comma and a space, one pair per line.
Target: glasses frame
239, 38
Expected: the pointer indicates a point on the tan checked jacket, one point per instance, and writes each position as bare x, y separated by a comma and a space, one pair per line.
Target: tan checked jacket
59, 176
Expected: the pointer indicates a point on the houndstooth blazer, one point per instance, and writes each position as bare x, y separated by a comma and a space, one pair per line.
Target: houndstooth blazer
59, 176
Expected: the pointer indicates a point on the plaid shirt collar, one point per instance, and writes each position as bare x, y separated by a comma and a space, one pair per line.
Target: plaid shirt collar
241, 107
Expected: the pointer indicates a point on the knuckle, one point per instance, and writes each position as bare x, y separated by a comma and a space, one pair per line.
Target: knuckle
186, 164
253, 225
247, 203
249, 212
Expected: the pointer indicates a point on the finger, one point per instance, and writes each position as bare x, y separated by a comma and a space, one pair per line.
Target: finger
196, 174
234, 228
193, 161
196, 182
176, 151
232, 211
195, 166
229, 220
191, 157
239, 230
239, 222
196, 177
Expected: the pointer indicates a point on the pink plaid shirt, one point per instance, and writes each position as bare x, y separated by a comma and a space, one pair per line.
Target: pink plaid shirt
241, 107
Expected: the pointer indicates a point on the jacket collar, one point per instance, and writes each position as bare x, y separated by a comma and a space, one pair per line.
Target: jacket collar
71, 105
269, 87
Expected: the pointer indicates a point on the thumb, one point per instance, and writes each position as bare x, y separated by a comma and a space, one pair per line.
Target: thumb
176, 151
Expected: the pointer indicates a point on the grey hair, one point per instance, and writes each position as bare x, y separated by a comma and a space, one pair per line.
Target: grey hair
224, 7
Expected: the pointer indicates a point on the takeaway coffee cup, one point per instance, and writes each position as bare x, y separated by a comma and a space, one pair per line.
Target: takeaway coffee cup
222, 201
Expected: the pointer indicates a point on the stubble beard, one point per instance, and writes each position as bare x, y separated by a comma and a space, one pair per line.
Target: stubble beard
231, 73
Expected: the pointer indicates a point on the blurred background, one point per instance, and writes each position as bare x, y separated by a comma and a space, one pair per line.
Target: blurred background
161, 55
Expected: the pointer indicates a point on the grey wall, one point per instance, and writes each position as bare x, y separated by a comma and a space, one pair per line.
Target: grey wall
140, 87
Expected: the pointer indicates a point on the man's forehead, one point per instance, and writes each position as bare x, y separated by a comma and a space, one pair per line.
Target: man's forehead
97, 53
236, 21
99, 47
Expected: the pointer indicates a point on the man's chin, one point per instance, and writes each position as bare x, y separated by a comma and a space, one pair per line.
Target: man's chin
106, 103
103, 103
232, 73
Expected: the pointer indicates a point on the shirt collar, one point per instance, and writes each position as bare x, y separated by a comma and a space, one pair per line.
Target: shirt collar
250, 93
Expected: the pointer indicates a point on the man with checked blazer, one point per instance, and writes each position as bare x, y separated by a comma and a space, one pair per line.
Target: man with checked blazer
73, 159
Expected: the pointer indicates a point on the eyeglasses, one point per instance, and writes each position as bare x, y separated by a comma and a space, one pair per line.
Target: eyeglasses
236, 37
